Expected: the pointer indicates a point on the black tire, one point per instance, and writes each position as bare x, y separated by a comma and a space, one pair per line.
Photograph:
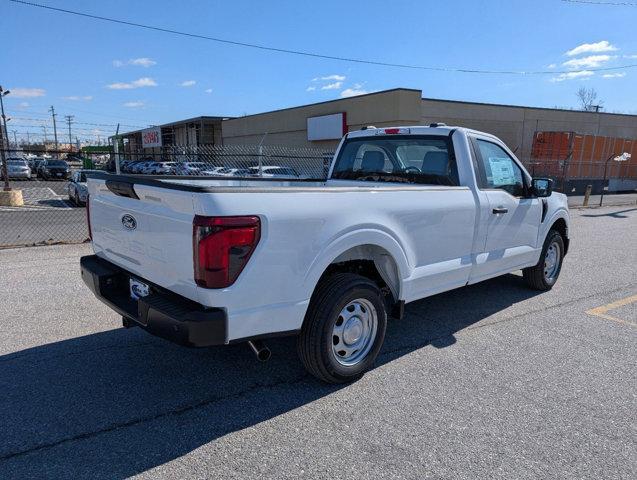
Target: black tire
535, 276
315, 342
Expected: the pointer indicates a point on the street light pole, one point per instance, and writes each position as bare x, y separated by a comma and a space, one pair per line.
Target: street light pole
5, 173
601, 199
618, 158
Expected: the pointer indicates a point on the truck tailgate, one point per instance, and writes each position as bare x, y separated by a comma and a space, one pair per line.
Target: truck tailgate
150, 236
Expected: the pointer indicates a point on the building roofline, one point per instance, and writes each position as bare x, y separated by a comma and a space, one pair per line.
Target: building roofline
178, 122
329, 101
524, 106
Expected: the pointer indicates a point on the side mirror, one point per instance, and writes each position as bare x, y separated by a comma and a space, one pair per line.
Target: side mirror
542, 187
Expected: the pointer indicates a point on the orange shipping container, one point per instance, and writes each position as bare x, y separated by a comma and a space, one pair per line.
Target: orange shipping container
575, 155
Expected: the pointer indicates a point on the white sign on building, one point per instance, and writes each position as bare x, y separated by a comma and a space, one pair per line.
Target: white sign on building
151, 137
327, 127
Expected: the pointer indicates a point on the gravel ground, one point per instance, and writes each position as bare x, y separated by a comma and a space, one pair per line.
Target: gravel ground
488, 381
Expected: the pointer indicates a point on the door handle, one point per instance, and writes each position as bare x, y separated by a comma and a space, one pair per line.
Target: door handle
500, 210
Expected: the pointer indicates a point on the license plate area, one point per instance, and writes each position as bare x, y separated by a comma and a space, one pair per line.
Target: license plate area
138, 289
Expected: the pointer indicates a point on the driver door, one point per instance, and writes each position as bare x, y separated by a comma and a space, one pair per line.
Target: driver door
513, 216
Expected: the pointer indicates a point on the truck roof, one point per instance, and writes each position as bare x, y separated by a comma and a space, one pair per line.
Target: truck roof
402, 130
441, 129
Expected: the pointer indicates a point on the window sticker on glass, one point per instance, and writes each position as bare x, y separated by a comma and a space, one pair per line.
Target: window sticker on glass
501, 171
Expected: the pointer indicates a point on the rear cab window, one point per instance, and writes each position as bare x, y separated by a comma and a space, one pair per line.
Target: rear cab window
417, 159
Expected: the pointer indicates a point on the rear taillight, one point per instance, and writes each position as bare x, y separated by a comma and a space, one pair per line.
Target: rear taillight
88, 217
222, 247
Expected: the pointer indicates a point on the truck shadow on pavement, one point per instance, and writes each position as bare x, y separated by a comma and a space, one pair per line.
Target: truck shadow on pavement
120, 402
618, 214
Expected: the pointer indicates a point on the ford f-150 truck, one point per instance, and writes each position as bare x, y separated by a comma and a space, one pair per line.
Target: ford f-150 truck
405, 213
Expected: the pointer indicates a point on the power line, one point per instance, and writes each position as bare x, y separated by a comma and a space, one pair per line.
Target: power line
79, 123
309, 54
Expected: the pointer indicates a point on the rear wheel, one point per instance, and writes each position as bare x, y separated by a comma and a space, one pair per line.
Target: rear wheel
544, 275
344, 328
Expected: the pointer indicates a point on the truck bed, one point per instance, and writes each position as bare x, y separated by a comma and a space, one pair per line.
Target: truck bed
303, 225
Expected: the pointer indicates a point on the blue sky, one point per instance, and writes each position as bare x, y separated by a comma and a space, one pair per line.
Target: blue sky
104, 73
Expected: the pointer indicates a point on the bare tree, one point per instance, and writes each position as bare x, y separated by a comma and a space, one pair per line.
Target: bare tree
588, 99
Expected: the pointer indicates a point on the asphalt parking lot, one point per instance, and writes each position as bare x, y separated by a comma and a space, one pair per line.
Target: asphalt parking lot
488, 381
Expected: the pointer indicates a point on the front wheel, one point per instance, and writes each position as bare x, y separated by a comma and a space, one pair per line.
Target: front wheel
344, 328
544, 275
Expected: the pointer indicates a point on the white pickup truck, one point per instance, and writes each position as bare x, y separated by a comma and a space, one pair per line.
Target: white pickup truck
405, 213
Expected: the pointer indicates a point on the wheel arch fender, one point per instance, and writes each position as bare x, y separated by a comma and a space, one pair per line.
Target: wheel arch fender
387, 253
560, 217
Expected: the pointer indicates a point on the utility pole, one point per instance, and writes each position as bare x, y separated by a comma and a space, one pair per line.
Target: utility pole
46, 139
15, 139
69, 120
28, 138
5, 146
55, 130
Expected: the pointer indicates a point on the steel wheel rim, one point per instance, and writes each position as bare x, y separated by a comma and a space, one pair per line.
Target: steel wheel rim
552, 261
354, 332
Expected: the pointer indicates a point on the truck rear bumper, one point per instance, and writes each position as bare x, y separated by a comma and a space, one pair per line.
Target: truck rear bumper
161, 313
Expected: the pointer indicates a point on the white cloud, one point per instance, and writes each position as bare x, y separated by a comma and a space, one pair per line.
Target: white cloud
27, 92
582, 74
24, 105
332, 86
614, 75
310, 89
137, 62
208, 90
630, 56
142, 62
136, 104
357, 89
603, 46
592, 61
188, 83
552, 65
139, 83
328, 78
77, 98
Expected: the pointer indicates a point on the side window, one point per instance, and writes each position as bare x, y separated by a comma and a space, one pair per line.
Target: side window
499, 170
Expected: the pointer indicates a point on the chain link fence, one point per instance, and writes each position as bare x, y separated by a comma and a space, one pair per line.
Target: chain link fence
245, 161
573, 178
54, 190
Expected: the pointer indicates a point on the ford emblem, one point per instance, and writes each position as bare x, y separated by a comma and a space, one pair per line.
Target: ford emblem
129, 222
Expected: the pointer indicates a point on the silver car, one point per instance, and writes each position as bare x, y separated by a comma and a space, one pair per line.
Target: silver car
17, 168
78, 191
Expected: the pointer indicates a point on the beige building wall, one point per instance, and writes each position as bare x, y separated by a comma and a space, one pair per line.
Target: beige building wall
517, 125
289, 126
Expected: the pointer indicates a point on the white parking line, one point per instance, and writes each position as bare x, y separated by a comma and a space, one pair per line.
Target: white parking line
64, 205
